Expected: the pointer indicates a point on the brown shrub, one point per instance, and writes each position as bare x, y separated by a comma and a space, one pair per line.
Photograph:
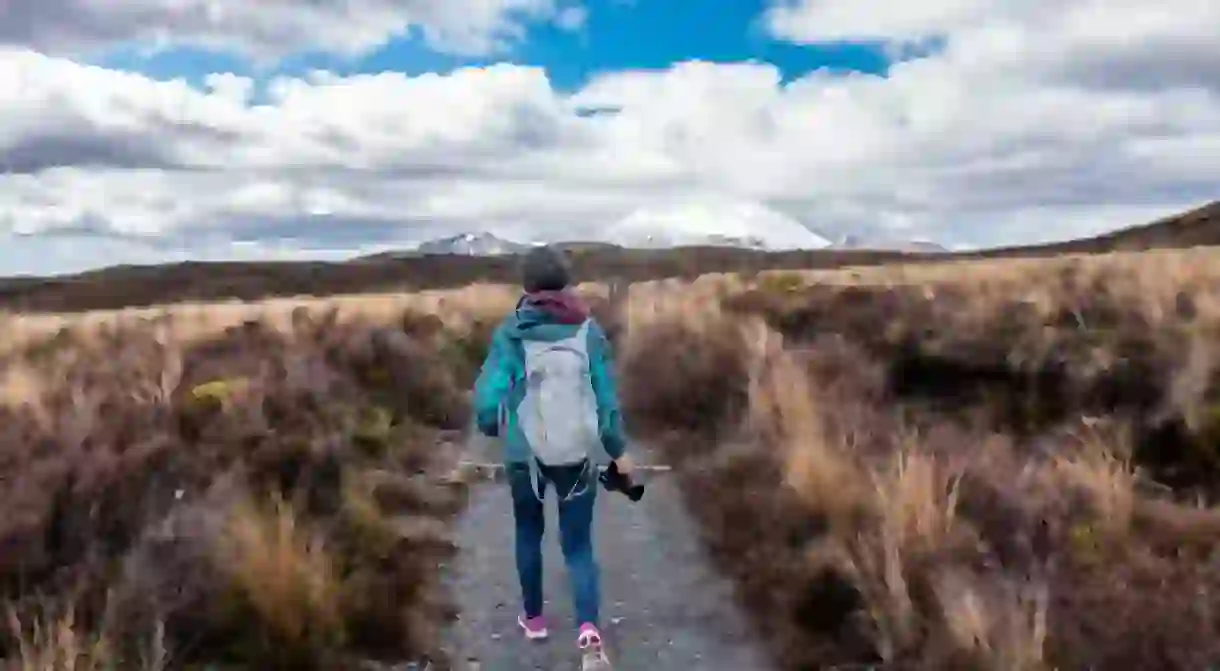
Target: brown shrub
994, 467
967, 518
1025, 352
688, 374
265, 498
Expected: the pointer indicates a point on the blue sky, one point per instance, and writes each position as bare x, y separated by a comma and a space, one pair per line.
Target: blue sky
1005, 123
616, 35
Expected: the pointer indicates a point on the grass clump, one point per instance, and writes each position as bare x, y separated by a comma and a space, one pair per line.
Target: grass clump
250, 499
994, 468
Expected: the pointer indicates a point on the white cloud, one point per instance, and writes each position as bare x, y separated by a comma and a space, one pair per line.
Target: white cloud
1100, 22
1027, 125
267, 29
1150, 43
831, 20
572, 18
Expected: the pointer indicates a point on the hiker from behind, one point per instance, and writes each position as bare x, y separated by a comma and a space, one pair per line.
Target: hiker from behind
547, 391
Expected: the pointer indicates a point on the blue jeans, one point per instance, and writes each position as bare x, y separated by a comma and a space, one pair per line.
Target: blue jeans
575, 534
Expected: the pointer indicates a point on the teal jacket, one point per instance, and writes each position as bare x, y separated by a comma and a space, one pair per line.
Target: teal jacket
542, 316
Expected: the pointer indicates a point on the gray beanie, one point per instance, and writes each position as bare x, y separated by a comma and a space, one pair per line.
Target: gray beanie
545, 269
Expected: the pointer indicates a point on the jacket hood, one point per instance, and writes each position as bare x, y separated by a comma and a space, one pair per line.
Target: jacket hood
538, 310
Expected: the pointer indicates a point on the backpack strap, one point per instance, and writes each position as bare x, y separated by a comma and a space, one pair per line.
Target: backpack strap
516, 376
582, 484
536, 479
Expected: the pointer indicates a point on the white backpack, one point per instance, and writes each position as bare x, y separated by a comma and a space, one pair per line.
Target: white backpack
558, 414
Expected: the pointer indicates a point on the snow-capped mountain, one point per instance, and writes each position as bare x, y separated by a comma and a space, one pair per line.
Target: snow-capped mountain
915, 246
472, 244
745, 227
719, 222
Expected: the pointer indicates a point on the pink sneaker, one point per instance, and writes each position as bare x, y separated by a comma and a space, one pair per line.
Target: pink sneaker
593, 656
535, 627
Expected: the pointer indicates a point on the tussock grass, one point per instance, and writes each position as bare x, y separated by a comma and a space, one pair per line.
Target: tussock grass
267, 494
976, 465
991, 465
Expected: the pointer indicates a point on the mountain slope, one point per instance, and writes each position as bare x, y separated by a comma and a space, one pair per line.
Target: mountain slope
119, 287
1194, 228
472, 244
717, 222
909, 246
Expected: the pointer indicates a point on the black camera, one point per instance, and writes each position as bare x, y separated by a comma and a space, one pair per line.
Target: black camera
614, 481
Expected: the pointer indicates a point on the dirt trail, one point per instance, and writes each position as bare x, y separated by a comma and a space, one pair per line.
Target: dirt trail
663, 606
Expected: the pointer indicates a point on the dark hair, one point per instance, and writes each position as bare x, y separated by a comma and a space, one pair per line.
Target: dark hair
545, 269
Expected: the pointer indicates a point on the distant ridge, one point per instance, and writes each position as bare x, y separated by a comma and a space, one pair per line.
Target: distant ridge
128, 286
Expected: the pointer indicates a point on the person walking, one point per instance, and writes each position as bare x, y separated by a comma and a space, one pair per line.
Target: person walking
547, 391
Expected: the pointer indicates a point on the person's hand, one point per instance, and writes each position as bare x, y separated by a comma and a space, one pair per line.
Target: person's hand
625, 464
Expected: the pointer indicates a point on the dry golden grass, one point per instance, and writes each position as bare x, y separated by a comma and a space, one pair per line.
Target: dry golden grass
243, 497
987, 465
1001, 465
188, 323
58, 646
785, 413
284, 572
53, 641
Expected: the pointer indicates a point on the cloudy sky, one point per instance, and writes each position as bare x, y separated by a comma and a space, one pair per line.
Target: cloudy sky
136, 131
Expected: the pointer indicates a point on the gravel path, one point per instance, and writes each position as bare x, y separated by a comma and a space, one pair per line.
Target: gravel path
663, 607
